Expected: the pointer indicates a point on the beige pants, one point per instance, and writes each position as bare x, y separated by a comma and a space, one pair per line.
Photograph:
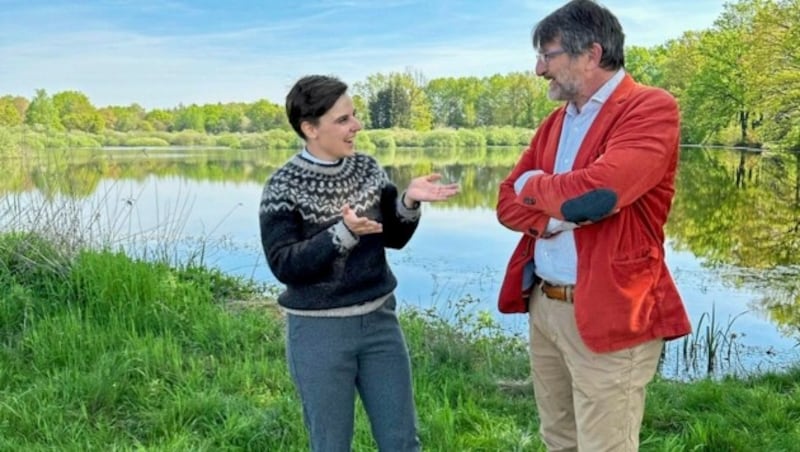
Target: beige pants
587, 401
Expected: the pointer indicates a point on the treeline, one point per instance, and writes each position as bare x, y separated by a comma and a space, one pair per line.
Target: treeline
737, 82
73, 111
384, 101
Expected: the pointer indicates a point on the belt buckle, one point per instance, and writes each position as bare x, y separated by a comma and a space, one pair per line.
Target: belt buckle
558, 292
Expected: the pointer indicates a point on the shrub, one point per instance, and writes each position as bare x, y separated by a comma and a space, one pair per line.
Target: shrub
229, 140
282, 139
145, 142
441, 138
383, 139
408, 138
363, 143
470, 138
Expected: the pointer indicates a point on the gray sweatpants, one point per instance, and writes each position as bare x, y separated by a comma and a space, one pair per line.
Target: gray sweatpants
332, 357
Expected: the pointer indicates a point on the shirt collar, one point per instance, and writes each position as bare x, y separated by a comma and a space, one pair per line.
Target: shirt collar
601, 95
309, 156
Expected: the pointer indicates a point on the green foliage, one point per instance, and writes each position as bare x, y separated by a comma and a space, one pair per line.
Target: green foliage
42, 111
76, 141
646, 65
362, 111
507, 136
470, 138
138, 141
230, 141
9, 114
440, 138
282, 139
77, 113
9, 141
160, 119
254, 141
264, 115
382, 139
32, 261
454, 101
126, 119
190, 118
407, 138
190, 138
364, 143
113, 138
112, 353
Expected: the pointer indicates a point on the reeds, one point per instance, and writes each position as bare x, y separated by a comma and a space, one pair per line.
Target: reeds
712, 349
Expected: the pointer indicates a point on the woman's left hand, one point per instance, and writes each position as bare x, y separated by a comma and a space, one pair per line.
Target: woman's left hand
428, 188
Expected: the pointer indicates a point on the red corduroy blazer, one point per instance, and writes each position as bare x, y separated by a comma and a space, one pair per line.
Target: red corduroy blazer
624, 293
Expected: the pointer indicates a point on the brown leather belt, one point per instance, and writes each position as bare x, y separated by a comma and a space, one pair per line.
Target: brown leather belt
558, 292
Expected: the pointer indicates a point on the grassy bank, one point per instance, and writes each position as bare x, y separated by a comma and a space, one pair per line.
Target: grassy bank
102, 352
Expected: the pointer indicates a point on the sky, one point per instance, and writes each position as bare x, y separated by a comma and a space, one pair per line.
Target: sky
166, 53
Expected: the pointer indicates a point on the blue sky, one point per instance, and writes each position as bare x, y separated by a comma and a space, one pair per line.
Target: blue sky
162, 53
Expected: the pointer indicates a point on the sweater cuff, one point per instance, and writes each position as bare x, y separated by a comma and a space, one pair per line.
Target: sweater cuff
343, 238
405, 213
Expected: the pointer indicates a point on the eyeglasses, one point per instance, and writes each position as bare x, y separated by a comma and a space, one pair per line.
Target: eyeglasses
547, 56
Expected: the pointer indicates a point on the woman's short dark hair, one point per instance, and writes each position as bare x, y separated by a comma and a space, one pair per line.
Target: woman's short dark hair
578, 25
310, 98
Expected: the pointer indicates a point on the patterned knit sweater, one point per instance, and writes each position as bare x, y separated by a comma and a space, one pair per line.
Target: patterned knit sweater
309, 249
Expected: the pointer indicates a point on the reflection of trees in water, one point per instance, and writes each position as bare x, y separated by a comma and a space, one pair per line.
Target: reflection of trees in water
478, 170
742, 209
737, 209
732, 208
744, 171
478, 183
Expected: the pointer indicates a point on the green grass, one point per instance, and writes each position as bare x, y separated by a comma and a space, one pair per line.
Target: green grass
99, 351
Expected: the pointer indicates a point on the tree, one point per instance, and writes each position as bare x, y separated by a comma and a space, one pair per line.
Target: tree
264, 115
125, 119
506, 100
396, 100
41, 111
214, 115
722, 90
777, 30
162, 120
77, 113
191, 118
234, 118
454, 101
646, 65
362, 111
9, 115
391, 107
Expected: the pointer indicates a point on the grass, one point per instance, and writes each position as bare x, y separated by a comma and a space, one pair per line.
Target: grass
101, 351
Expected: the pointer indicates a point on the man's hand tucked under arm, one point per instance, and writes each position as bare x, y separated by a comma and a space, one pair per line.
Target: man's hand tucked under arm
555, 226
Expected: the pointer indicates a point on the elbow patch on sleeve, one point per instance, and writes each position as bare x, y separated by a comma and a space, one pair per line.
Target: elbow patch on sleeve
591, 206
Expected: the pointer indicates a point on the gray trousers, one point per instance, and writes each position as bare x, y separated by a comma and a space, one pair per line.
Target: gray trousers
330, 358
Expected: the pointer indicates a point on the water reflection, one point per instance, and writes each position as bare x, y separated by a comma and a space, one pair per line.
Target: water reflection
733, 242
740, 212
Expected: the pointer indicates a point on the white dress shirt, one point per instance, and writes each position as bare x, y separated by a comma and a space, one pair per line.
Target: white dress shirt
556, 257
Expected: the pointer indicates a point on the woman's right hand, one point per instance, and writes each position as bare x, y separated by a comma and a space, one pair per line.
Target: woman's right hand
359, 225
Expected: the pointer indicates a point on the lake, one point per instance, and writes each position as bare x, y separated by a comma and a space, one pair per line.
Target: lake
733, 240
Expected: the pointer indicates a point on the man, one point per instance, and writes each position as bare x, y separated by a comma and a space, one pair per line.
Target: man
591, 195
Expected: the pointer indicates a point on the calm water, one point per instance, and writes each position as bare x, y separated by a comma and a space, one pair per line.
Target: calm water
733, 234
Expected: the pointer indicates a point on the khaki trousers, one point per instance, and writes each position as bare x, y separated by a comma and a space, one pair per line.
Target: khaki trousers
587, 401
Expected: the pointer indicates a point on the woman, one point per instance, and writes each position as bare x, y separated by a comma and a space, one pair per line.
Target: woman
326, 218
